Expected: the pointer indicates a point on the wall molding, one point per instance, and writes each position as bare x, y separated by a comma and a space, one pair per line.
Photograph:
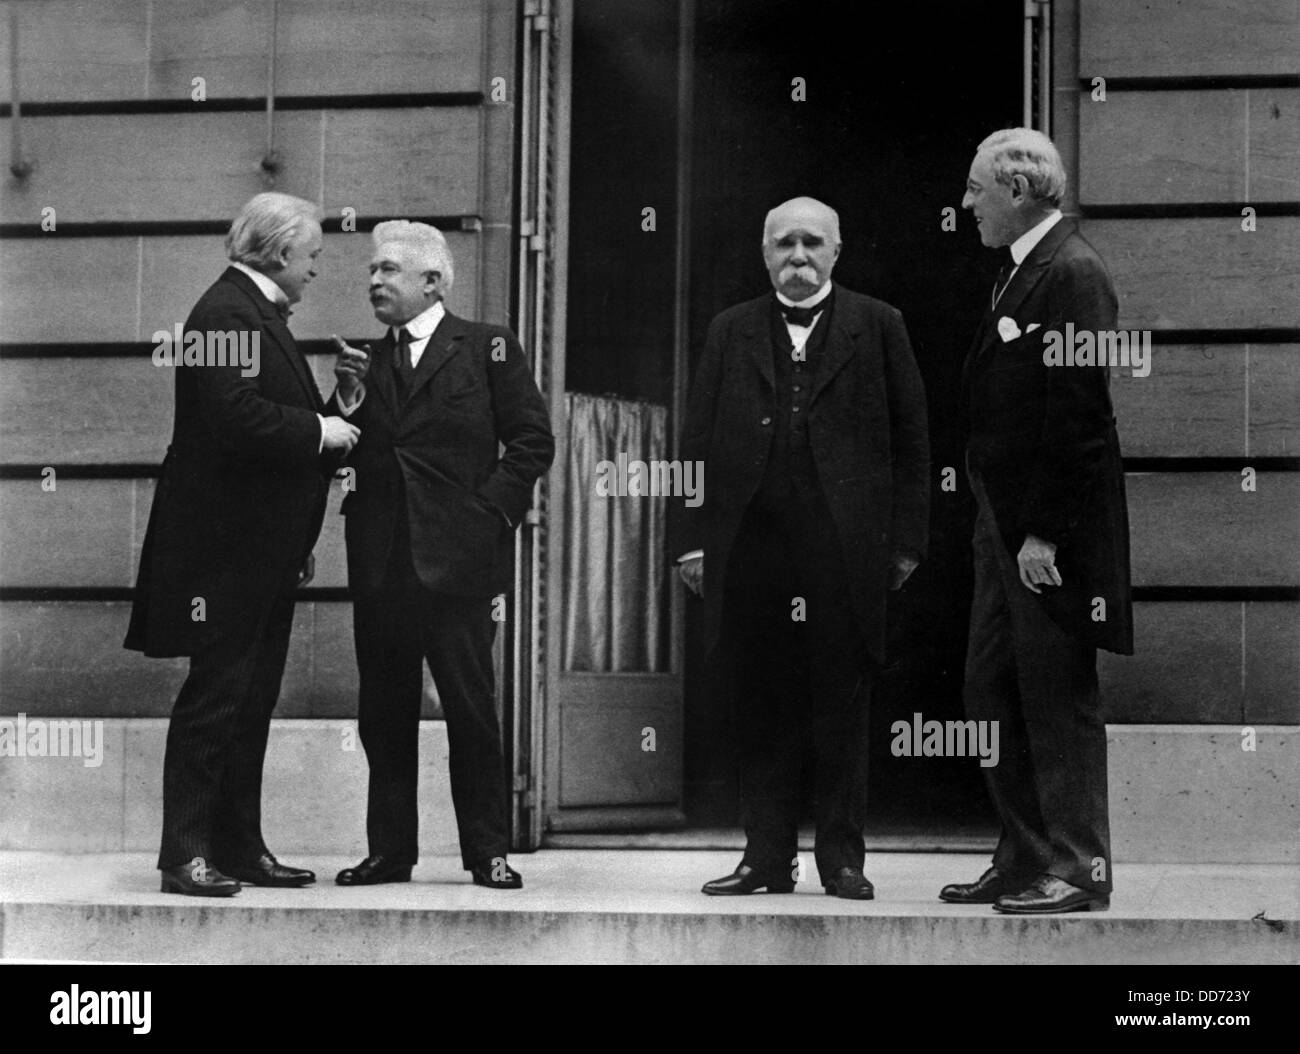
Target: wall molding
244, 104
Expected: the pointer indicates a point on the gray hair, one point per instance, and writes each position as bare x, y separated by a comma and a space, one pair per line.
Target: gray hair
426, 245
265, 225
1029, 153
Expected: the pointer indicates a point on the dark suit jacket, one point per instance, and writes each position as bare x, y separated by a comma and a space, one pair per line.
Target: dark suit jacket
242, 492
1043, 439
436, 456
867, 430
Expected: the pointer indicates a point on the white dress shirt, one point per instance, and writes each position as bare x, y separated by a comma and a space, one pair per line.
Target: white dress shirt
799, 334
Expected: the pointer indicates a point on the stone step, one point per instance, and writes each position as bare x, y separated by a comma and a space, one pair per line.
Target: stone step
629, 906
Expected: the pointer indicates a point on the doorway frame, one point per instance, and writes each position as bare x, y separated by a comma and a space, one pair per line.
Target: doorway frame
546, 815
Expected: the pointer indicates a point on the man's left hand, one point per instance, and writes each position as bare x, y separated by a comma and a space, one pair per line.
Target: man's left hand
903, 566
308, 571
1037, 561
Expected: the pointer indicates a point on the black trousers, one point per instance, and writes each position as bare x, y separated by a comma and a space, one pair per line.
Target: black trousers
216, 744
1040, 685
397, 630
800, 684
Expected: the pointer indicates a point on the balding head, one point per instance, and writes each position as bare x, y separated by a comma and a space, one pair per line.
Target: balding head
801, 242
805, 211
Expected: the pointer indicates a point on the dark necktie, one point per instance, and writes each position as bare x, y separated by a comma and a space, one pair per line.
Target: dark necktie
282, 309
800, 316
405, 371
1004, 276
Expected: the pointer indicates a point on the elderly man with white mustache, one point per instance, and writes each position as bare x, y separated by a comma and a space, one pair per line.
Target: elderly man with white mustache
808, 412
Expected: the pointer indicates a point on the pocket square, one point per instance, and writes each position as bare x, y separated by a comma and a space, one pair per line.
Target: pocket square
1033, 326
1007, 329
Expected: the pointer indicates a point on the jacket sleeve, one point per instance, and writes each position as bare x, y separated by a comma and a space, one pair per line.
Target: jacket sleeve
909, 439
244, 422
522, 423
687, 523
1077, 415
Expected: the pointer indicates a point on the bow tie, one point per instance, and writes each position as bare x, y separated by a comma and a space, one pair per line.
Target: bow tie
282, 309
800, 316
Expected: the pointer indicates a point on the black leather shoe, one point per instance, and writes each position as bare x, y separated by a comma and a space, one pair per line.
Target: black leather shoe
373, 871
266, 870
851, 884
985, 889
196, 879
1049, 895
497, 874
745, 880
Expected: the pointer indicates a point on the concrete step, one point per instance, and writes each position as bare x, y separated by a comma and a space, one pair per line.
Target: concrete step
629, 906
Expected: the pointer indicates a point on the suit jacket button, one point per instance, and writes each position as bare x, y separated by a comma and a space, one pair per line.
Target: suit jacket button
765, 421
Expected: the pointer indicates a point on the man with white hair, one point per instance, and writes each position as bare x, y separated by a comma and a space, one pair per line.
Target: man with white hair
235, 516
808, 412
1051, 537
454, 434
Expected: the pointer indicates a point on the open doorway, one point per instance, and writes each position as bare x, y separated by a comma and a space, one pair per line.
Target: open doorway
879, 118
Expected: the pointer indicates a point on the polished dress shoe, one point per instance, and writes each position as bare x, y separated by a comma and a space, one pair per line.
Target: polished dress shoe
497, 874
266, 870
985, 889
745, 880
196, 879
1049, 895
375, 870
851, 884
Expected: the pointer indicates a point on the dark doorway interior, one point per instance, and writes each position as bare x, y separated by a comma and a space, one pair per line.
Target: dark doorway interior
896, 103
897, 97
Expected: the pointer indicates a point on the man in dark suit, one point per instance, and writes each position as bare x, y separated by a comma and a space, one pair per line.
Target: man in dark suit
454, 436
808, 412
237, 511
1051, 537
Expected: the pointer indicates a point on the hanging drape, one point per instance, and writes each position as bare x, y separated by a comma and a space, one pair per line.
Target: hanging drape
615, 571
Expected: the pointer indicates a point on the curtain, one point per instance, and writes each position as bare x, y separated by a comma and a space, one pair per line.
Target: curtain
615, 566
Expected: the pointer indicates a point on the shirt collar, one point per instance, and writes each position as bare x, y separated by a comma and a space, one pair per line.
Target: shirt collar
1023, 246
265, 284
811, 301
422, 326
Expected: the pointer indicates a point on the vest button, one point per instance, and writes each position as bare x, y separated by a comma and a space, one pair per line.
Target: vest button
765, 421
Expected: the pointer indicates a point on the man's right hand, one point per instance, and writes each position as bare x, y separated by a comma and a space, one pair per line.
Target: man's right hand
692, 572
351, 368
340, 434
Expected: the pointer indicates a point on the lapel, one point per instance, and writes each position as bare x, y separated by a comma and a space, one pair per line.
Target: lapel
1022, 283
447, 339
842, 338
756, 334
274, 327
